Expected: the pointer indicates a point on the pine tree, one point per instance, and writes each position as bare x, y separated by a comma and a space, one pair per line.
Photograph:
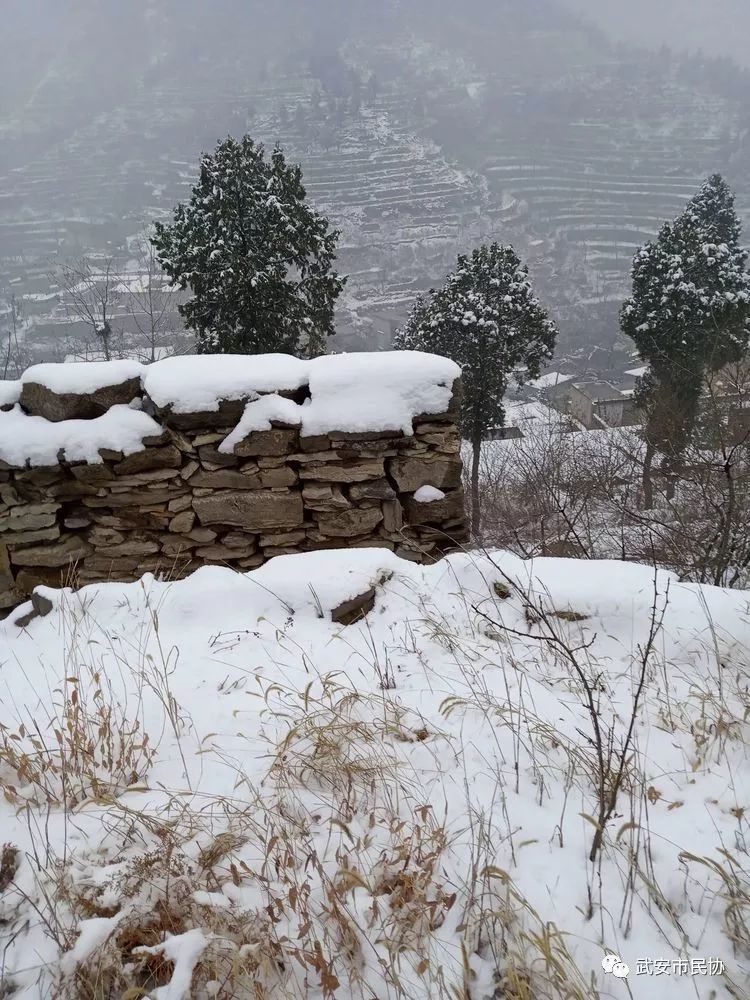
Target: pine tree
256, 258
488, 320
688, 315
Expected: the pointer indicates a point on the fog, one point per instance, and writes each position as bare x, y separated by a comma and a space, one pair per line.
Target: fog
423, 127
716, 27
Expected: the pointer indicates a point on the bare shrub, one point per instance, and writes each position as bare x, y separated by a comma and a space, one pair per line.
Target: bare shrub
581, 495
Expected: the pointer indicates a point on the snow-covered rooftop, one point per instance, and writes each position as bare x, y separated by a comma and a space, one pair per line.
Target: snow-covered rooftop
549, 380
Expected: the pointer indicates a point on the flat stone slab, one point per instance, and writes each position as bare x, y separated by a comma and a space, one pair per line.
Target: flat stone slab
54, 555
255, 511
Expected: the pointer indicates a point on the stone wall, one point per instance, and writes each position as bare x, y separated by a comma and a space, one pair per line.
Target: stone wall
173, 499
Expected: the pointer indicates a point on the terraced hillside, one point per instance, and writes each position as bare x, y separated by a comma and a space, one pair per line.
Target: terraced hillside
411, 139
597, 167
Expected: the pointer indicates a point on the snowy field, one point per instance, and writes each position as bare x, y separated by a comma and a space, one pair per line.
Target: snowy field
214, 790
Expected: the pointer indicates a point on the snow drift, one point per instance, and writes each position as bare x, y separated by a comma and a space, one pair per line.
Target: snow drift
399, 807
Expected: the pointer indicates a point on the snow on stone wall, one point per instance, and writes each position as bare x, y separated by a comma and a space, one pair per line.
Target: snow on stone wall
111, 470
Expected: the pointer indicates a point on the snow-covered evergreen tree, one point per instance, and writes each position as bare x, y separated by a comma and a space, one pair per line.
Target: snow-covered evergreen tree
488, 320
256, 258
688, 315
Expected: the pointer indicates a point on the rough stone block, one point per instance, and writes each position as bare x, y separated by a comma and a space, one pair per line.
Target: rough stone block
227, 415
100, 536
213, 438
324, 497
254, 511
176, 547
211, 458
133, 547
40, 401
441, 512
240, 540
203, 536
350, 523
94, 473
18, 539
40, 607
354, 610
9, 496
190, 469
29, 517
28, 578
76, 521
343, 472
378, 489
183, 522
276, 441
315, 442
180, 503
222, 553
280, 538
393, 516
168, 457
6, 578
143, 479
53, 555
410, 472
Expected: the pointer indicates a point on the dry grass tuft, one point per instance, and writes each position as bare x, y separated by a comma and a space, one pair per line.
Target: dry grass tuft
86, 749
9, 862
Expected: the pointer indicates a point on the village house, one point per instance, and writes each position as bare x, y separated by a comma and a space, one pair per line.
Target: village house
596, 405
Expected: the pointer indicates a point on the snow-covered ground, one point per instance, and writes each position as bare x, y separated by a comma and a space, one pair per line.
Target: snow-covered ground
400, 807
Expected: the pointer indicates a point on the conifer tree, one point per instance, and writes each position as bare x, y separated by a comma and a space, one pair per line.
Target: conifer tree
256, 258
688, 315
488, 320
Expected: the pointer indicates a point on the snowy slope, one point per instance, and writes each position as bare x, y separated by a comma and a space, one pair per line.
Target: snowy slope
397, 807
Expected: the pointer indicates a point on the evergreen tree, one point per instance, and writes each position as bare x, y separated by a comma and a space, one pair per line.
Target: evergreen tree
688, 315
256, 258
488, 320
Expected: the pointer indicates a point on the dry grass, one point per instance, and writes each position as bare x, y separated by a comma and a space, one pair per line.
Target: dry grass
341, 874
86, 748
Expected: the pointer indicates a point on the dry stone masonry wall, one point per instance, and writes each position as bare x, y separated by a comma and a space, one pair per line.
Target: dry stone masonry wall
110, 470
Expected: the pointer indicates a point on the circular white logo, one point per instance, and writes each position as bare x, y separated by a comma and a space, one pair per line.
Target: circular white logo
613, 965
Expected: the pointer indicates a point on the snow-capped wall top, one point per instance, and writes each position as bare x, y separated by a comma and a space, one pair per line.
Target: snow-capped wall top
197, 383
357, 393
82, 377
349, 392
39, 442
376, 392
70, 411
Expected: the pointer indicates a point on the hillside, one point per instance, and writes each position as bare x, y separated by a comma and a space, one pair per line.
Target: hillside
421, 132
262, 802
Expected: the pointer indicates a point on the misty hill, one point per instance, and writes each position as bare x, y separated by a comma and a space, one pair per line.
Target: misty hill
422, 129
720, 27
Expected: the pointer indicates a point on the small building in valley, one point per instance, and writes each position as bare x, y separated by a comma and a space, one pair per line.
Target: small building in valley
596, 405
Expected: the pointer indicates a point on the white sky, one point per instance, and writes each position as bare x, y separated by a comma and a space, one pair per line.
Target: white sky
719, 27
